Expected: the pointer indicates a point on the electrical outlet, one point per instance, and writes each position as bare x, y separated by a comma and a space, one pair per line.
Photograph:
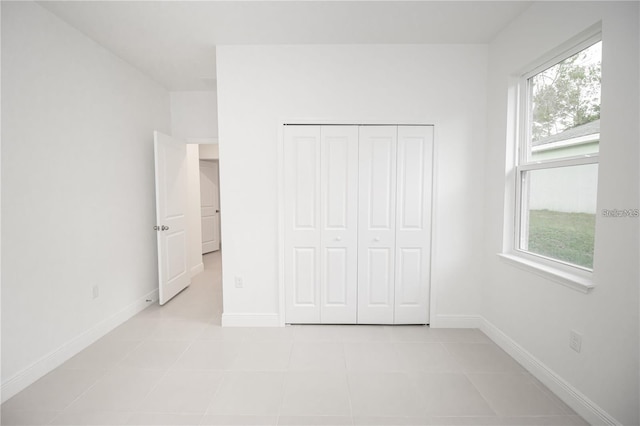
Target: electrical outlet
575, 340
96, 291
239, 283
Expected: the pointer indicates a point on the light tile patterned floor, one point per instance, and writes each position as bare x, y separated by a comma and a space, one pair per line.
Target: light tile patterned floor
175, 365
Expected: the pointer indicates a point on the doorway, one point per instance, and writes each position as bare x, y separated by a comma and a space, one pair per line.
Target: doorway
210, 205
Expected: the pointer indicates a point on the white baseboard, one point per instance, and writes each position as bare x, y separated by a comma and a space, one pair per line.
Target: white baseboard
582, 405
455, 321
197, 269
251, 320
57, 357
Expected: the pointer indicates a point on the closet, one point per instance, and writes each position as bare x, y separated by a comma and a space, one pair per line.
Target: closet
357, 224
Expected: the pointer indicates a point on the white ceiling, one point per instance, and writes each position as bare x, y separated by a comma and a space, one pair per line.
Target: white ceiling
174, 42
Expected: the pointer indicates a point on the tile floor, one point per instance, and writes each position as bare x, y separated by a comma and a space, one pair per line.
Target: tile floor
175, 365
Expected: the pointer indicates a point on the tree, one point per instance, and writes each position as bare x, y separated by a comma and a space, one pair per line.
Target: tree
567, 94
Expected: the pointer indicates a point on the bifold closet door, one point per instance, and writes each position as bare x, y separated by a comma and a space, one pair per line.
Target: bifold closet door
357, 224
339, 224
413, 224
320, 223
302, 223
376, 224
394, 241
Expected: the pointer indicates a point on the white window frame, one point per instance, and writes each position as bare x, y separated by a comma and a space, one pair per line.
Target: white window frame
570, 275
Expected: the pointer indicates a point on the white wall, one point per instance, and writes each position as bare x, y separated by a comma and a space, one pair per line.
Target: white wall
194, 114
260, 86
194, 118
194, 211
531, 311
77, 191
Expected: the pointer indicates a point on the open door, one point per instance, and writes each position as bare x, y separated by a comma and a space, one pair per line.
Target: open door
171, 215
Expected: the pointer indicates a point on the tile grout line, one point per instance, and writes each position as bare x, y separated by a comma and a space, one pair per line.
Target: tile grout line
154, 387
102, 376
284, 379
283, 390
484, 398
213, 396
225, 377
346, 375
556, 399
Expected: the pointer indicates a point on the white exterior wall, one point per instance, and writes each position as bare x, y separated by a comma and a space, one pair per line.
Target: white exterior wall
565, 189
259, 87
534, 313
77, 191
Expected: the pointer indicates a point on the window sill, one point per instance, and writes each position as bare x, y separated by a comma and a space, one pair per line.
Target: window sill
567, 279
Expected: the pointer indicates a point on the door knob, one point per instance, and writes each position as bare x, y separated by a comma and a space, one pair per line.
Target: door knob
338, 238
164, 228
376, 239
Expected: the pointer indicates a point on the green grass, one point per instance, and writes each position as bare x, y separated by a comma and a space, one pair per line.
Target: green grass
564, 236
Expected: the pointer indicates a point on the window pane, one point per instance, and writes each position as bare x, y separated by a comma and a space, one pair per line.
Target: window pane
565, 107
558, 213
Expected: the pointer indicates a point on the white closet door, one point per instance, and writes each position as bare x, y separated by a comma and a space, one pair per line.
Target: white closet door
302, 153
413, 224
339, 233
376, 224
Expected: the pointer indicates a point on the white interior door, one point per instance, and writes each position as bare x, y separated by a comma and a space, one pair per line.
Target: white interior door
210, 206
413, 224
302, 151
171, 214
376, 224
339, 221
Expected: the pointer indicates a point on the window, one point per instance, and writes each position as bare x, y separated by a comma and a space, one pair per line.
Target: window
557, 165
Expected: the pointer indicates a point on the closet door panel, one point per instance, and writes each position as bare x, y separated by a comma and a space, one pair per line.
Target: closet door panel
336, 181
413, 224
376, 224
304, 276
380, 274
409, 276
339, 186
302, 223
335, 289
